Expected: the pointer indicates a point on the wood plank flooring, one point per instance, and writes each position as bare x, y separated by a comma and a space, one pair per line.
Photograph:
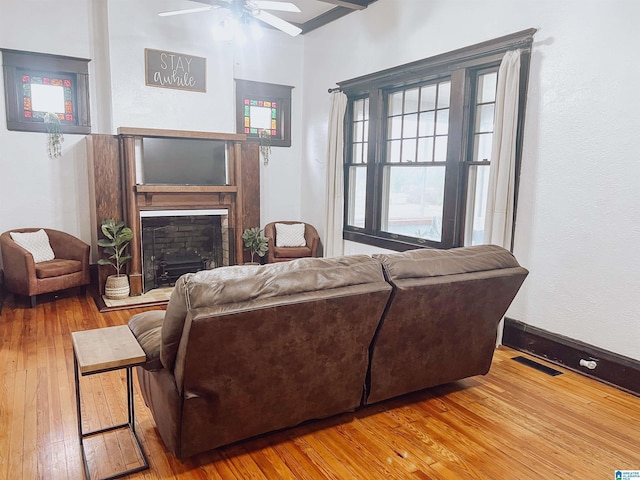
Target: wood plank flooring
515, 423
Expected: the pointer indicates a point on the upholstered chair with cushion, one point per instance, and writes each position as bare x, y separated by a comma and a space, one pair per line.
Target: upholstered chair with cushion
289, 240
37, 261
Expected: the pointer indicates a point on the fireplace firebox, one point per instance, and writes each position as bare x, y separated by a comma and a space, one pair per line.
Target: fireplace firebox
178, 242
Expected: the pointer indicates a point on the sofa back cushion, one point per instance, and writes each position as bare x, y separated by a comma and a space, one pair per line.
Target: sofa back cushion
424, 263
228, 289
441, 322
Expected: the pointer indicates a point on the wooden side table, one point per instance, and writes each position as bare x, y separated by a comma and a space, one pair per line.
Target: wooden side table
104, 350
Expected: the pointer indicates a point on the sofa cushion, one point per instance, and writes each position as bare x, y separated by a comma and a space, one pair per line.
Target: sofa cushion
422, 263
290, 235
36, 243
291, 252
240, 284
232, 285
57, 267
146, 327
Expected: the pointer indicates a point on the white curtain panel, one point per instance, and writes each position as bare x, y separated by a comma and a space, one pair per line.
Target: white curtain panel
333, 244
501, 195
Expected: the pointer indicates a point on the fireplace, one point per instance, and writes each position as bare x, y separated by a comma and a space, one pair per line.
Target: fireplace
175, 242
118, 192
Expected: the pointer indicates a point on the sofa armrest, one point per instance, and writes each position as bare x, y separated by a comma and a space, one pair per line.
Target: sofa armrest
19, 267
147, 327
313, 239
68, 247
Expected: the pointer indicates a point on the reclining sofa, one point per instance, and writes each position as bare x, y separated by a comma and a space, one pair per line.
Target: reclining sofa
246, 350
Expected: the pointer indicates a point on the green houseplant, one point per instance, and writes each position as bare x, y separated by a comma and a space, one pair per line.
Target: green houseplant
114, 245
265, 145
256, 242
54, 136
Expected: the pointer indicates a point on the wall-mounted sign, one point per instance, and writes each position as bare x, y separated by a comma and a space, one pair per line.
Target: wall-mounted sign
175, 70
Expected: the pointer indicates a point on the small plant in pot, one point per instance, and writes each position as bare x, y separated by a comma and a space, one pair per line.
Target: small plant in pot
115, 243
256, 242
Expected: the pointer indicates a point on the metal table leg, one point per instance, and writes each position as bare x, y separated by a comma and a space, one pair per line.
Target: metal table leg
130, 423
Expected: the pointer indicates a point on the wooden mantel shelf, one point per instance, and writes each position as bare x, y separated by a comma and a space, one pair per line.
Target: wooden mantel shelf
186, 189
156, 132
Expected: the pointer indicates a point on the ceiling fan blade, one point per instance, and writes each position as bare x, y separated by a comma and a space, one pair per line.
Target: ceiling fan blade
276, 6
185, 10
278, 23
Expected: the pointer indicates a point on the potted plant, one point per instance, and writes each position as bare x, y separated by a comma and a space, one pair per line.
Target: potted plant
54, 136
116, 241
256, 242
265, 145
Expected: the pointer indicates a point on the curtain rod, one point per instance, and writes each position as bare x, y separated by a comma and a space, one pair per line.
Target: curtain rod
337, 89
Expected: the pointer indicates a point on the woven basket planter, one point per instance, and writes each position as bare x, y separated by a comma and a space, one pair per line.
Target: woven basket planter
117, 286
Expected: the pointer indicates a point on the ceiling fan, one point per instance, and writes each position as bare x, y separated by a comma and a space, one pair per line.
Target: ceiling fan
246, 10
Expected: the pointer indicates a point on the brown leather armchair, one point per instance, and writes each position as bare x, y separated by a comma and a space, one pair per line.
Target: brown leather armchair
69, 268
283, 254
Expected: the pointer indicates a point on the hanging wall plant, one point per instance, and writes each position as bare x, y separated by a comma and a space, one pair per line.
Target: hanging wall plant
265, 145
55, 136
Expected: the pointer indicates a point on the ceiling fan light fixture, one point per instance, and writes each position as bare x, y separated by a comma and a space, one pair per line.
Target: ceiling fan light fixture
247, 12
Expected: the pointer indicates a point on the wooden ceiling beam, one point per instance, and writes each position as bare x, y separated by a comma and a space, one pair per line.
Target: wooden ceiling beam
352, 4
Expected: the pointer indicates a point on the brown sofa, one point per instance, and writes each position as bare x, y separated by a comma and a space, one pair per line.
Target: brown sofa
246, 350
69, 268
441, 323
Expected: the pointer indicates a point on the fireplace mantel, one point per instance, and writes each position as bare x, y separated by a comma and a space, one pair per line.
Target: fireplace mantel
116, 194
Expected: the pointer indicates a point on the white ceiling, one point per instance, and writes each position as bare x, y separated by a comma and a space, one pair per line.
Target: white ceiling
311, 16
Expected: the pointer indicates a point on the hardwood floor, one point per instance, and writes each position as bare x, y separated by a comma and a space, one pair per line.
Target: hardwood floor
515, 423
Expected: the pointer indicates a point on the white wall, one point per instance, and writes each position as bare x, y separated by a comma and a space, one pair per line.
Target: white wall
36, 191
275, 58
578, 229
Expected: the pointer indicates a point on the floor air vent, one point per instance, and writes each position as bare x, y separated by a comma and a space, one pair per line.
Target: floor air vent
538, 366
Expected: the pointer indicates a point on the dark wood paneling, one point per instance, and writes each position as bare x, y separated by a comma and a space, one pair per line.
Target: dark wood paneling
103, 156
131, 213
614, 369
155, 132
117, 195
250, 196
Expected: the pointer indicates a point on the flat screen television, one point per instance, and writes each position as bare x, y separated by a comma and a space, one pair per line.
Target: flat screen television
183, 161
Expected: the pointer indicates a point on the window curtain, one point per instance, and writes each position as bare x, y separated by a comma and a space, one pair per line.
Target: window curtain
501, 195
333, 244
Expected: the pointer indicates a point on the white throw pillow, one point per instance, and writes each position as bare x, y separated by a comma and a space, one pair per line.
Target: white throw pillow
36, 243
290, 235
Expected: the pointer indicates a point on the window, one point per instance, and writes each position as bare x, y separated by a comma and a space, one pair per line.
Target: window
38, 83
418, 148
264, 108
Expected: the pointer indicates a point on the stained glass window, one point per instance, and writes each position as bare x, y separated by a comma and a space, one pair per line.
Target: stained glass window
41, 93
264, 108
39, 83
260, 115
